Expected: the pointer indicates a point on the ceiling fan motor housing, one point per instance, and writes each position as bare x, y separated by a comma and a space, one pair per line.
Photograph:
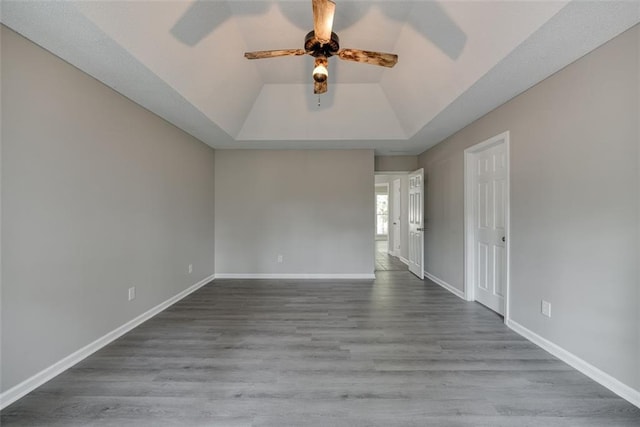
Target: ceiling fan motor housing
313, 46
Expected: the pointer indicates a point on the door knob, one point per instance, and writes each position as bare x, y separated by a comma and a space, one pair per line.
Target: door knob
503, 239
420, 229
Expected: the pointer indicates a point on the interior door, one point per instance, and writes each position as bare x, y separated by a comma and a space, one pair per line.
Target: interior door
490, 192
395, 222
416, 222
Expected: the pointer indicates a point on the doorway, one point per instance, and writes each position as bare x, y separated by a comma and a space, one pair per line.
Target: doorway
390, 202
486, 169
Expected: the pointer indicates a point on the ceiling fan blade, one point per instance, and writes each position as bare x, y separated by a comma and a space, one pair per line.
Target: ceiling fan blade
261, 54
319, 87
368, 57
323, 11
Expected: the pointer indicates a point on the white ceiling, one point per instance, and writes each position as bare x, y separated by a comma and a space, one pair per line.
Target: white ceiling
184, 61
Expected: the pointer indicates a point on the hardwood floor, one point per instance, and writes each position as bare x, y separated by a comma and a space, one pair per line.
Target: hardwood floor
386, 262
391, 352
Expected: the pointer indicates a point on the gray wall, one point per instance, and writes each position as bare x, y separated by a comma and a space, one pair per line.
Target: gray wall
404, 209
574, 206
98, 195
396, 163
316, 208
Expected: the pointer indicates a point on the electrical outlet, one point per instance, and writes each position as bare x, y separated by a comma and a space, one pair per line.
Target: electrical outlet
190, 268
280, 259
546, 308
132, 293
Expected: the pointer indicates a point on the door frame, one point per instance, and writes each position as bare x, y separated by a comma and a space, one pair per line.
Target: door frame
469, 219
402, 237
396, 235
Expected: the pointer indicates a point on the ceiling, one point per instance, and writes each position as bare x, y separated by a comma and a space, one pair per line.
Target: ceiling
184, 61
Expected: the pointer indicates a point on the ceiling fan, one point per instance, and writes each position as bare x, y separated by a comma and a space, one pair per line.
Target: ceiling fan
322, 43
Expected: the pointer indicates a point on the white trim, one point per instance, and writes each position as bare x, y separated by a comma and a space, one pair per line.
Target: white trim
616, 386
395, 228
469, 237
293, 276
392, 172
457, 292
30, 384
403, 259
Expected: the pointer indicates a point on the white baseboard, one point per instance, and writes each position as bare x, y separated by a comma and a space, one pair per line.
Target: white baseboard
30, 384
294, 276
574, 361
403, 259
453, 290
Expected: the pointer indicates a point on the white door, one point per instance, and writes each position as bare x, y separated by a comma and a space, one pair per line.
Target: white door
416, 218
489, 169
395, 249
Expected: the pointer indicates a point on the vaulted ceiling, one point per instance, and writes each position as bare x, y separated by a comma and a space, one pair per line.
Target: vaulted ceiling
184, 61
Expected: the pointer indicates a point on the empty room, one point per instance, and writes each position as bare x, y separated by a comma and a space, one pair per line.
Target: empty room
320, 213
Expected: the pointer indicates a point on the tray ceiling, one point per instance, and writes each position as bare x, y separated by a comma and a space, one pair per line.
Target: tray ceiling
184, 61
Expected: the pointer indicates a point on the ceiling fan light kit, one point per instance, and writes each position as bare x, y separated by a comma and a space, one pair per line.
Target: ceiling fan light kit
320, 72
322, 43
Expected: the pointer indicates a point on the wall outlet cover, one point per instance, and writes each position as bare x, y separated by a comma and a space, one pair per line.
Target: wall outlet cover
546, 308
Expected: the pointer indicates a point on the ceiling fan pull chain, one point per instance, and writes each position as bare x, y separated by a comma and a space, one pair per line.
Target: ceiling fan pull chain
318, 100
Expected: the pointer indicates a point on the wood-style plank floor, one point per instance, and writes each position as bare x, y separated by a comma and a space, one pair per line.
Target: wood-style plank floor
391, 352
386, 262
